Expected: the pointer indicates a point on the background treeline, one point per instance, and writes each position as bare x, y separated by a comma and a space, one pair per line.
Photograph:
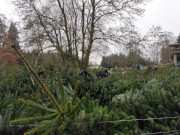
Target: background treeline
160, 54
121, 60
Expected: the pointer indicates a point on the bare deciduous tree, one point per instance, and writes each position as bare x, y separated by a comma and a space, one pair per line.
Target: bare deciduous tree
77, 28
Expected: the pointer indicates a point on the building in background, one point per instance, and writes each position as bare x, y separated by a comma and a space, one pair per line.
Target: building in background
175, 49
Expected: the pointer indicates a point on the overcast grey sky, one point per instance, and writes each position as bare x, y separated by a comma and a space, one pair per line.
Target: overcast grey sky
164, 13
7, 8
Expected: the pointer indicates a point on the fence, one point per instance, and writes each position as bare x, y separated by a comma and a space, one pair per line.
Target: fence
173, 132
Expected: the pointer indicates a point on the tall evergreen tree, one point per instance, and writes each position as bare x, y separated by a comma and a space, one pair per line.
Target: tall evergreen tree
7, 54
13, 35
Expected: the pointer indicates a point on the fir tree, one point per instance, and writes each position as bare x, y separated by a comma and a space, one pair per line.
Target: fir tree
7, 54
13, 35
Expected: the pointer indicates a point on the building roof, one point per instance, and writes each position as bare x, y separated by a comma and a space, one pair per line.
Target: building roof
175, 44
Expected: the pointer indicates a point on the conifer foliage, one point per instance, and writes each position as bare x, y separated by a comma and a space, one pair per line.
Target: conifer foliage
118, 101
13, 35
66, 114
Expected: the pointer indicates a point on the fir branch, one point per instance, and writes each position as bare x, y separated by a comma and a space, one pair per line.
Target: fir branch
29, 102
75, 91
42, 84
50, 130
83, 98
34, 130
63, 126
60, 85
28, 119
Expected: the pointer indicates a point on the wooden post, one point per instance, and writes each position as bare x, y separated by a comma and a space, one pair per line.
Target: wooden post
175, 58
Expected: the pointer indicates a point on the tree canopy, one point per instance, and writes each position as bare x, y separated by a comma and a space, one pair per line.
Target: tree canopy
79, 28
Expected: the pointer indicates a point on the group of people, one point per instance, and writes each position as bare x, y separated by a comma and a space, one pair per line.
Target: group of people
178, 64
107, 72
100, 73
104, 74
138, 67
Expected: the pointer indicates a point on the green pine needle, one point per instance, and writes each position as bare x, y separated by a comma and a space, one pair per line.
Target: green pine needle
29, 119
31, 103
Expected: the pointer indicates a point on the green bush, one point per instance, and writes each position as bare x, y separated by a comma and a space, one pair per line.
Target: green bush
88, 104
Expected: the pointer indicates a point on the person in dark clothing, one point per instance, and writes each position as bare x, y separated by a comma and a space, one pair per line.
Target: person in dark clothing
107, 72
100, 73
138, 67
133, 66
178, 64
85, 74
